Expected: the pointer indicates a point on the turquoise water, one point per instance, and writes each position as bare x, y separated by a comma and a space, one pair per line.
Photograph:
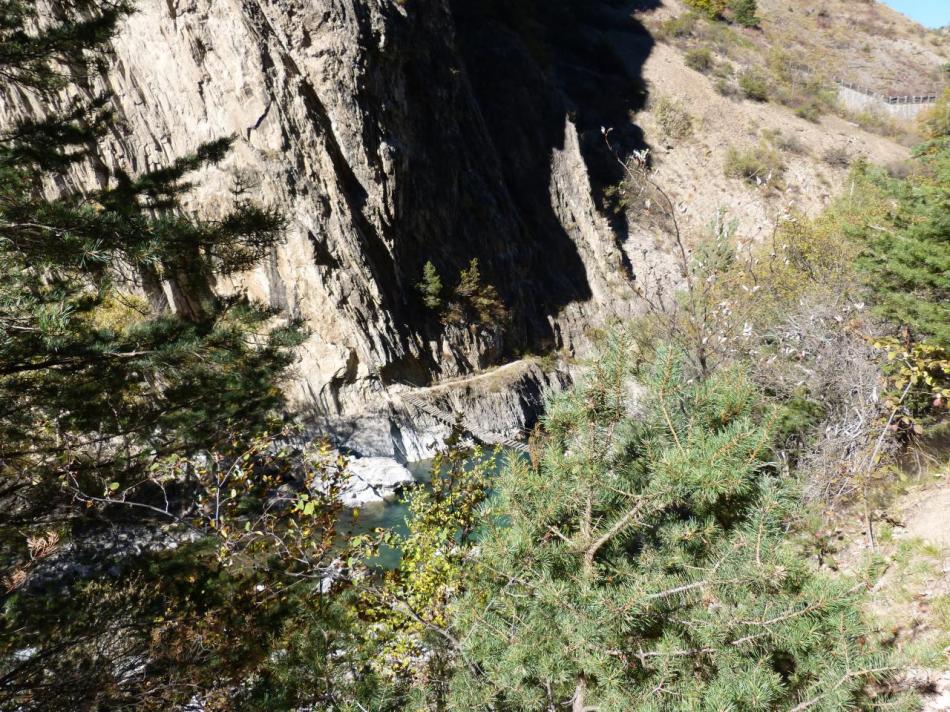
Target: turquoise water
394, 515
385, 515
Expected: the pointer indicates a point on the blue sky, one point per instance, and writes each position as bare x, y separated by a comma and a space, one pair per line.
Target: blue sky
932, 13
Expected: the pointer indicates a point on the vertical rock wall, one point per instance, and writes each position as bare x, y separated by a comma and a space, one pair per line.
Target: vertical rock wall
392, 132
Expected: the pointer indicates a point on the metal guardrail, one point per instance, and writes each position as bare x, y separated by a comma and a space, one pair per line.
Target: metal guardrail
890, 99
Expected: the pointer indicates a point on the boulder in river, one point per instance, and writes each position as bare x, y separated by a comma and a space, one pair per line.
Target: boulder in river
374, 479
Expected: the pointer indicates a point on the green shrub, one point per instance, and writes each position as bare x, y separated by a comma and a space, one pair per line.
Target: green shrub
435, 552
700, 59
900, 169
786, 67
935, 122
810, 111
431, 287
680, 26
906, 254
475, 301
673, 118
726, 87
877, 123
807, 96
761, 165
788, 143
754, 86
724, 39
651, 550
837, 156
713, 9
743, 12
724, 70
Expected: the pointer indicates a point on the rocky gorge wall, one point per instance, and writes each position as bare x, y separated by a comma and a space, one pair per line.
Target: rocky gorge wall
389, 133
499, 406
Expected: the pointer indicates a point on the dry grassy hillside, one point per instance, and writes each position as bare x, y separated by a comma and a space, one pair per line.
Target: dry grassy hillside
746, 121
860, 41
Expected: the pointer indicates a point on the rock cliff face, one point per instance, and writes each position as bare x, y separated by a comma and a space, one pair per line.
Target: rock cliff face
392, 132
409, 424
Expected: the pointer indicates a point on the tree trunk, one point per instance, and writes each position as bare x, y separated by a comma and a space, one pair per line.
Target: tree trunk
191, 298
154, 290
580, 695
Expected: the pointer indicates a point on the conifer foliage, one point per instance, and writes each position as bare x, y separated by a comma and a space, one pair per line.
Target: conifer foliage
906, 261
744, 12
646, 564
115, 350
113, 342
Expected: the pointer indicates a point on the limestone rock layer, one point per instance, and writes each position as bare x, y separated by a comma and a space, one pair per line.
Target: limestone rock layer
392, 132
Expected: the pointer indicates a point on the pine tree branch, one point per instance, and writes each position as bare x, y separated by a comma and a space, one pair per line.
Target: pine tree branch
661, 400
617, 527
848, 676
679, 589
557, 532
787, 615
75, 362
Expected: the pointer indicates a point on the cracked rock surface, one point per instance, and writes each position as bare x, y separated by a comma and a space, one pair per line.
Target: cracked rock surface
390, 134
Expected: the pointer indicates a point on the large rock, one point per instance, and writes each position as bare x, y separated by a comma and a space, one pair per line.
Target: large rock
501, 403
375, 479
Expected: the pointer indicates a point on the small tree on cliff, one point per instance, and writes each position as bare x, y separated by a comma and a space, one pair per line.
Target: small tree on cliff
646, 564
431, 287
474, 301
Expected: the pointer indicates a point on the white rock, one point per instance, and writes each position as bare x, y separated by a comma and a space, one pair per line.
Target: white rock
374, 479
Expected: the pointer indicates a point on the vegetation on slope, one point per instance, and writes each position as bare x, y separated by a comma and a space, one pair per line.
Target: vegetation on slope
654, 554
646, 564
115, 355
797, 53
905, 256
